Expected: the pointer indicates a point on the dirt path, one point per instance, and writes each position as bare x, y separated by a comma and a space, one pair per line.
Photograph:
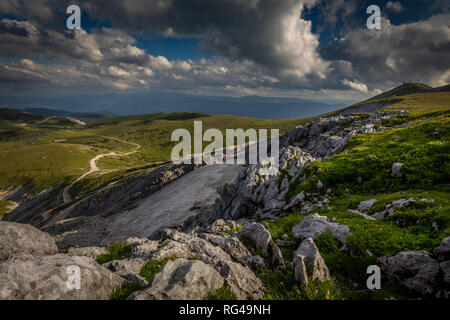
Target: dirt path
94, 168
76, 121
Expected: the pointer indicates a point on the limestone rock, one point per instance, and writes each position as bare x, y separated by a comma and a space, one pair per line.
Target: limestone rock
314, 225
365, 206
307, 256
396, 169
300, 273
295, 201
128, 269
142, 248
365, 215
445, 269
443, 251
182, 280
232, 246
415, 269
390, 208
241, 281
256, 233
91, 252
221, 225
188, 246
26, 277
18, 238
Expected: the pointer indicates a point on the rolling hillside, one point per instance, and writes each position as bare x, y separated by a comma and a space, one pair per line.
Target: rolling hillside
427, 96
362, 188
39, 151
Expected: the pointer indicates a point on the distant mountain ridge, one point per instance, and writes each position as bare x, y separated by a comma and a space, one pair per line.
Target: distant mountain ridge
83, 116
19, 115
148, 103
388, 98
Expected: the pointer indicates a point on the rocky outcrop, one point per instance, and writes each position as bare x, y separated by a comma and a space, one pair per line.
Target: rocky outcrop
397, 169
182, 280
220, 226
314, 225
445, 269
32, 269
254, 195
188, 196
233, 247
27, 277
77, 232
220, 251
142, 248
18, 238
443, 251
116, 198
203, 263
309, 264
391, 207
261, 238
417, 270
365, 206
91, 252
241, 280
421, 273
128, 269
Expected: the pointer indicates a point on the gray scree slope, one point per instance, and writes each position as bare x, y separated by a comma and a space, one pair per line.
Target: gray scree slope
173, 204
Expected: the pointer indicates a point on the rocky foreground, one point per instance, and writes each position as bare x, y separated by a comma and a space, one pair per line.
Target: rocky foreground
193, 265
225, 249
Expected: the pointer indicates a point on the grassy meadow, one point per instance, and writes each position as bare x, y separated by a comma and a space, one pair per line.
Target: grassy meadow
40, 154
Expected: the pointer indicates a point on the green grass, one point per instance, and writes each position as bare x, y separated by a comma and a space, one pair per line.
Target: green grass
342, 262
281, 285
425, 175
153, 132
426, 159
31, 157
42, 166
152, 267
250, 245
233, 230
117, 251
421, 104
123, 292
284, 225
6, 207
416, 104
223, 293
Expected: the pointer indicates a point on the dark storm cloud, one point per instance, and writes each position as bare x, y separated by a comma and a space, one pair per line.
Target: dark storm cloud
338, 10
268, 32
409, 52
262, 44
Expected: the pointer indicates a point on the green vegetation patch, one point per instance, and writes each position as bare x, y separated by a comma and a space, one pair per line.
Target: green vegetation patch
425, 154
6, 207
117, 251
280, 226
411, 228
281, 285
224, 293
152, 267
123, 292
41, 155
233, 230
250, 245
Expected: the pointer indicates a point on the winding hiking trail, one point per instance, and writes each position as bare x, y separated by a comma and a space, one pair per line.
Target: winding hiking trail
93, 165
